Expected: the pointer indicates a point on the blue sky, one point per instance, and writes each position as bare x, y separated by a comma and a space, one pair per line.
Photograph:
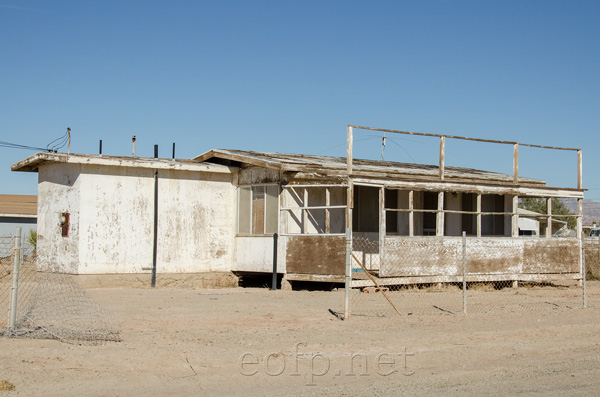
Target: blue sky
288, 76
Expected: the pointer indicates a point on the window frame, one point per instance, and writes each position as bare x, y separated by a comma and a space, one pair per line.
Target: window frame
265, 210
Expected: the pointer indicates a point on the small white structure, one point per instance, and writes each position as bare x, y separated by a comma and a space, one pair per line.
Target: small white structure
96, 214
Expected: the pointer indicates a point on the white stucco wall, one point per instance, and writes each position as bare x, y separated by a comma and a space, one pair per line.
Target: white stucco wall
112, 210
58, 192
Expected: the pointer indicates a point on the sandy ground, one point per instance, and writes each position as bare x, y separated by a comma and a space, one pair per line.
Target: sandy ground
243, 341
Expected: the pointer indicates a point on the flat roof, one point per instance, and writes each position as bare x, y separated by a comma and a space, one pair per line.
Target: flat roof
32, 163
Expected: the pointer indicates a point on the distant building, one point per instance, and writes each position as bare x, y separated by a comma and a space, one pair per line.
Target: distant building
17, 211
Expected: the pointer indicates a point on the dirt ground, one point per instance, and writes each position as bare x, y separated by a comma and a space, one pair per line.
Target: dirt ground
251, 341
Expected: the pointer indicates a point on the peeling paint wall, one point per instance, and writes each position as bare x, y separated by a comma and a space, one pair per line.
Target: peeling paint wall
434, 256
256, 175
112, 210
58, 192
255, 254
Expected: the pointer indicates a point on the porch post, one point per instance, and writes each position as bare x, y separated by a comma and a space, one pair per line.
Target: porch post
349, 204
439, 231
549, 218
515, 216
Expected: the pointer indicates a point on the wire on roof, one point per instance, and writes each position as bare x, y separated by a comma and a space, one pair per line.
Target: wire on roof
58, 143
18, 146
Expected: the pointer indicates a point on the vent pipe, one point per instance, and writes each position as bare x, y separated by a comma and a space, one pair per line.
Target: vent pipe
133, 146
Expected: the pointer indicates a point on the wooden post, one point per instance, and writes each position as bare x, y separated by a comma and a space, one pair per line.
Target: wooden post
348, 276
411, 214
478, 214
515, 216
442, 156
549, 218
580, 218
305, 211
579, 170
327, 215
349, 151
439, 230
516, 163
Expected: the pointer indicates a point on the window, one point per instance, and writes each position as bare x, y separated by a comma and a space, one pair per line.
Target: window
314, 209
258, 209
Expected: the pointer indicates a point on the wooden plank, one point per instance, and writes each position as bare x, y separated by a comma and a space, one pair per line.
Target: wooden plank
314, 277
316, 254
471, 278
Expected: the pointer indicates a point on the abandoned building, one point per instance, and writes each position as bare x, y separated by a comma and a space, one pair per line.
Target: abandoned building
218, 213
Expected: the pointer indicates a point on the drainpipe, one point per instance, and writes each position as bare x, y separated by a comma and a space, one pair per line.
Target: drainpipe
154, 248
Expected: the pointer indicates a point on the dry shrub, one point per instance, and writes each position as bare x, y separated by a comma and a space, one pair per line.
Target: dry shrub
592, 264
6, 385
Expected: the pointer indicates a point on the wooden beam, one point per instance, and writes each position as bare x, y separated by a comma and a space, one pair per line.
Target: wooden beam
516, 163
460, 138
442, 156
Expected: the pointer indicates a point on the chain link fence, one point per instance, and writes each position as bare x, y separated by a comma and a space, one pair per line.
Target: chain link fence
460, 276
592, 267
46, 305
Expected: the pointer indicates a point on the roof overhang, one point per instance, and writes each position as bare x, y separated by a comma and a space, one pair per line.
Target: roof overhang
34, 162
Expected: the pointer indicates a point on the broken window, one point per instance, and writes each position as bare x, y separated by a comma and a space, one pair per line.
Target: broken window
258, 209
315, 209
365, 215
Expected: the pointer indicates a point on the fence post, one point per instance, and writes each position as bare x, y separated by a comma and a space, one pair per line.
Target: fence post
348, 278
464, 270
583, 270
14, 293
